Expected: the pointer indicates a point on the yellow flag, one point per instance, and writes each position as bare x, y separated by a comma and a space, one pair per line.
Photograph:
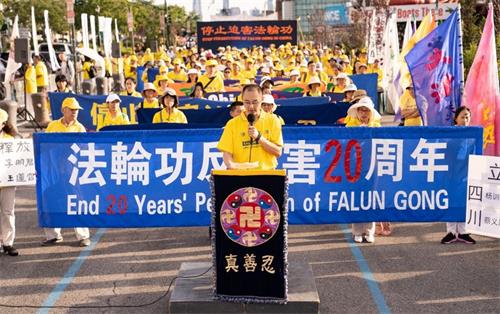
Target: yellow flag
428, 25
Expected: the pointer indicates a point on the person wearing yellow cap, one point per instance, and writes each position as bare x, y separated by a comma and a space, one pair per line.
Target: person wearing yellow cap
7, 197
212, 83
148, 57
114, 116
68, 123
250, 70
169, 114
161, 83
149, 93
130, 69
177, 74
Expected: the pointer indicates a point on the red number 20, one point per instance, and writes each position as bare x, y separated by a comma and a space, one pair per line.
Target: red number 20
328, 177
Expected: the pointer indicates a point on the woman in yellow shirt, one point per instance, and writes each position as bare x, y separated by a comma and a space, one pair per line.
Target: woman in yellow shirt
114, 116
130, 85
314, 86
169, 113
409, 109
363, 113
149, 93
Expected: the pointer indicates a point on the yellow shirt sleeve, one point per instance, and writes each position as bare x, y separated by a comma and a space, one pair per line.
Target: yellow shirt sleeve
226, 140
157, 117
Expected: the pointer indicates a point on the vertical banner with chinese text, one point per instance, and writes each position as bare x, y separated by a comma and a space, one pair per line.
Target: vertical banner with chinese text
249, 225
17, 165
245, 34
483, 196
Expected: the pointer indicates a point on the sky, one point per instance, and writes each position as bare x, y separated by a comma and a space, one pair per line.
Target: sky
206, 5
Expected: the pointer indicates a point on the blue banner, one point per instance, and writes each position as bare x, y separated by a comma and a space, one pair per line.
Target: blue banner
217, 113
336, 15
319, 111
94, 108
245, 34
367, 82
335, 175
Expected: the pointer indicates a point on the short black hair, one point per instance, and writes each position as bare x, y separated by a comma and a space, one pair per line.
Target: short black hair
61, 78
194, 88
250, 87
130, 78
235, 104
459, 110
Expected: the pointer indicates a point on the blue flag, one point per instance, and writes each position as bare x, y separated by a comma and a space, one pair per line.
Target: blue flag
435, 65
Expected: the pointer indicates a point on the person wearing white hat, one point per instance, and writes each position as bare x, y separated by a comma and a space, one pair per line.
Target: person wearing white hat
294, 76
266, 83
363, 113
193, 75
269, 106
314, 88
149, 93
342, 81
68, 123
114, 116
169, 113
349, 92
7, 198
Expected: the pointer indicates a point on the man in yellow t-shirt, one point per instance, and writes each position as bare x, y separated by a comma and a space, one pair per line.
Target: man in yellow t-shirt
177, 74
244, 143
42, 75
212, 83
68, 123
409, 109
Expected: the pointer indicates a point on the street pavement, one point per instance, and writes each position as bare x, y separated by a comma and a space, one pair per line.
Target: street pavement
408, 272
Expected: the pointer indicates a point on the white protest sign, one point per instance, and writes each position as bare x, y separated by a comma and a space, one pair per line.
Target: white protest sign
483, 196
17, 162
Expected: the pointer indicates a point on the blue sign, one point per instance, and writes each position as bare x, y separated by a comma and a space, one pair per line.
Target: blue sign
94, 108
202, 111
245, 34
335, 175
336, 15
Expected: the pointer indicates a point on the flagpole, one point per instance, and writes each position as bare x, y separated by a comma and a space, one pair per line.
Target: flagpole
461, 50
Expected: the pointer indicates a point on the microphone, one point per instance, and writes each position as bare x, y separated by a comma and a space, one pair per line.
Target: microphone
251, 120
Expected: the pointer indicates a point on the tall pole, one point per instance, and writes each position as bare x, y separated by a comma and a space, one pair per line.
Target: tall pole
165, 34
75, 61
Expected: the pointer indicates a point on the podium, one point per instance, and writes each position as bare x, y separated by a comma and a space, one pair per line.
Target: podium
249, 225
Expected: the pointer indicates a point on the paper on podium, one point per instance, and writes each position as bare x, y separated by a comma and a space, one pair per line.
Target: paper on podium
246, 165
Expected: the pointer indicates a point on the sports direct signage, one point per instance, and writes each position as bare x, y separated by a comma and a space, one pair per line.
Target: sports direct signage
245, 34
419, 11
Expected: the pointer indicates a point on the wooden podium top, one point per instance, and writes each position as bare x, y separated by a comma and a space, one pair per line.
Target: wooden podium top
249, 172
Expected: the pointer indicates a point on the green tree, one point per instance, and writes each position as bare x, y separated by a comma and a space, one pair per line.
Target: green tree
22, 8
473, 19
